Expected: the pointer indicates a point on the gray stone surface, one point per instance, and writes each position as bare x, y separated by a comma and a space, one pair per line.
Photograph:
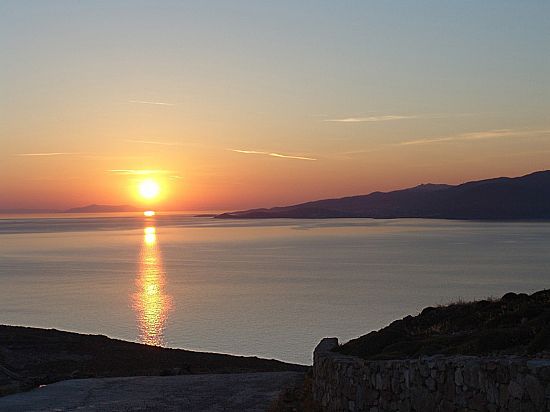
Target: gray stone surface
437, 383
220, 392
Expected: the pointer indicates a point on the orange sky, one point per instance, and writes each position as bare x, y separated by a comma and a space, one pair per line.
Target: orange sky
261, 105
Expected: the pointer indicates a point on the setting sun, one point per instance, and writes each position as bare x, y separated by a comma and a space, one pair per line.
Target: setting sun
149, 189
316, 170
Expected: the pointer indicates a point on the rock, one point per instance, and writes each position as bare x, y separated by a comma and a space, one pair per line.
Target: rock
503, 396
450, 384
515, 390
535, 390
492, 393
477, 403
372, 396
459, 380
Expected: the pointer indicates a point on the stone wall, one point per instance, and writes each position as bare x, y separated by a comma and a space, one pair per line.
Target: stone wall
438, 383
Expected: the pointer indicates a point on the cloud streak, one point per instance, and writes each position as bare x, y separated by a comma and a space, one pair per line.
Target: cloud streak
154, 142
483, 135
279, 155
371, 119
139, 172
47, 154
151, 102
247, 151
462, 137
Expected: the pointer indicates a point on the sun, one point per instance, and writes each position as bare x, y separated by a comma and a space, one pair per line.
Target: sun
149, 189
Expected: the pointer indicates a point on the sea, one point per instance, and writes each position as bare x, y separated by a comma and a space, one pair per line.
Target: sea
266, 288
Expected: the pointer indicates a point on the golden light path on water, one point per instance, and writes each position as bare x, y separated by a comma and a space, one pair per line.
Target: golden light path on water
151, 303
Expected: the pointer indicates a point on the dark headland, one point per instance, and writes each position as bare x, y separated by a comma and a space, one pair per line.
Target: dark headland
30, 357
503, 198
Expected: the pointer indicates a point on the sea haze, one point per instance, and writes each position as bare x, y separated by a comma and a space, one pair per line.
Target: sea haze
271, 288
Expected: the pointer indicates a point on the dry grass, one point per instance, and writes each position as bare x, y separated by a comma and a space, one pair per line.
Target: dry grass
516, 324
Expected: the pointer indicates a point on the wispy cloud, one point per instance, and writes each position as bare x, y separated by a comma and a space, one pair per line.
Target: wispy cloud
291, 157
248, 151
364, 151
280, 155
482, 135
426, 141
154, 142
47, 154
140, 172
390, 117
83, 155
151, 102
372, 118
462, 137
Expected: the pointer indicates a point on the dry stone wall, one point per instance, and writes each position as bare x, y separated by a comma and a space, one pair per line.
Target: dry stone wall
438, 383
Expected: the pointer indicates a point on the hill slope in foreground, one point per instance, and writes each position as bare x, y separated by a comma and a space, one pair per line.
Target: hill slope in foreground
526, 197
30, 357
517, 324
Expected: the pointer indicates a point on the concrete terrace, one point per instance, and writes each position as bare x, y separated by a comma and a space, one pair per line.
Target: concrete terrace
194, 393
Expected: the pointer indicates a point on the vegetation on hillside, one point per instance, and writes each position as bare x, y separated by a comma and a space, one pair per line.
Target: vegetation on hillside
515, 324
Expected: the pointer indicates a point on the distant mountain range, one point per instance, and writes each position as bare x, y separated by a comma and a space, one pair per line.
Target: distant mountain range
526, 197
84, 209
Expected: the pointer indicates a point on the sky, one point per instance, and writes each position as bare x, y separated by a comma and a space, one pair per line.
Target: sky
240, 104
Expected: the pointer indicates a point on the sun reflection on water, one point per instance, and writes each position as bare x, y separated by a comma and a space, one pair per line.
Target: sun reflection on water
150, 301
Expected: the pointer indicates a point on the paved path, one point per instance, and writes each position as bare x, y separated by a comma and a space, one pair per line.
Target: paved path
223, 392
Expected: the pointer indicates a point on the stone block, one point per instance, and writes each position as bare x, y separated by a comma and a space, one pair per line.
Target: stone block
459, 380
431, 384
535, 390
515, 390
445, 384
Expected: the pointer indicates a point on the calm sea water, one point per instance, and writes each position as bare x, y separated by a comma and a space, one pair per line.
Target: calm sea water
267, 288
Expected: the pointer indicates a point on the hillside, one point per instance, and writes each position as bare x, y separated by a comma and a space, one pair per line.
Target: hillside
30, 357
516, 324
526, 197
